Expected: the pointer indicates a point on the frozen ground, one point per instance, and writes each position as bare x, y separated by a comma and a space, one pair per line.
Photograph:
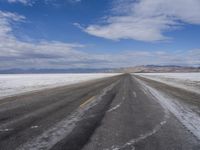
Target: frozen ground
20, 83
188, 81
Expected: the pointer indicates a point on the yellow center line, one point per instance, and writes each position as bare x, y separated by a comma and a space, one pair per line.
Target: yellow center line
87, 101
4, 103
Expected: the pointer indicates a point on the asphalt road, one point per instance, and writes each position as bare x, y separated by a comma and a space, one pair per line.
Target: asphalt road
107, 114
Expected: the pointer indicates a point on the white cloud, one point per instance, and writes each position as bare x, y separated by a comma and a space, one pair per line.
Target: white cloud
15, 53
25, 2
146, 20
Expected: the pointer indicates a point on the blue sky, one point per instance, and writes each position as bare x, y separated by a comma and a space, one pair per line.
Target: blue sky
98, 33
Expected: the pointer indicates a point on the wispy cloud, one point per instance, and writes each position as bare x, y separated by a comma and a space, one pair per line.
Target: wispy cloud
136, 57
25, 2
12, 50
74, 1
146, 20
52, 2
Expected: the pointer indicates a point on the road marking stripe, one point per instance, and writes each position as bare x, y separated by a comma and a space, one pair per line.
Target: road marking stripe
87, 101
4, 103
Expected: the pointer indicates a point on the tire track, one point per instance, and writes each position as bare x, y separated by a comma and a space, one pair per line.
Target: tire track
61, 130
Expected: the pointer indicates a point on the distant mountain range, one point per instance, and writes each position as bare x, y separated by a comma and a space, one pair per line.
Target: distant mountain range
37, 71
136, 69
158, 69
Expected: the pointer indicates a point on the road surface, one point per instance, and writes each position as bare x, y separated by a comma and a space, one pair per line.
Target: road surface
114, 113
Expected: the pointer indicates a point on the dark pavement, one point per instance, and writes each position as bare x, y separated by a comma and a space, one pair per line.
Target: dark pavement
106, 114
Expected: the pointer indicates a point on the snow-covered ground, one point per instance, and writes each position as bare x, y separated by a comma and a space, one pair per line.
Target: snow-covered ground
188, 81
15, 84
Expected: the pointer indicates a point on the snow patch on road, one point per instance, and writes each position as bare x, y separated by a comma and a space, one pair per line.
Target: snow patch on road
185, 115
115, 107
34, 127
134, 94
118, 105
62, 129
5, 130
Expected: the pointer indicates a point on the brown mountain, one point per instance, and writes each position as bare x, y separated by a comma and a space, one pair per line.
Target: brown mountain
158, 69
